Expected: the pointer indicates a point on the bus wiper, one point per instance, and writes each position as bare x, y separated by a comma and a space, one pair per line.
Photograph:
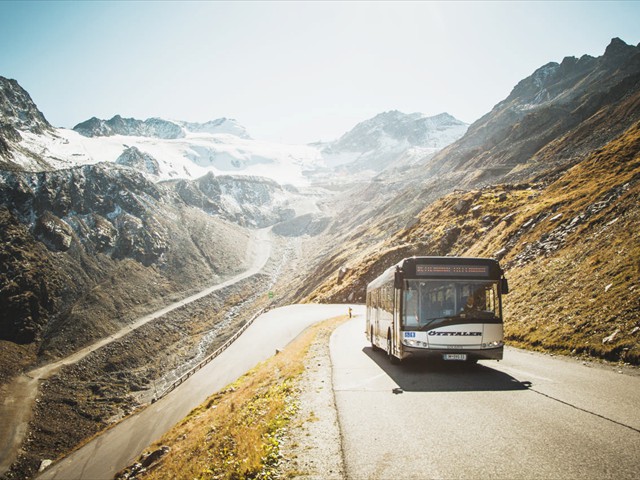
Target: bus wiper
429, 321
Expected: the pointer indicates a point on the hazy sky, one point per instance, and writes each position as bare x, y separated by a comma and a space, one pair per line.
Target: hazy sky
289, 71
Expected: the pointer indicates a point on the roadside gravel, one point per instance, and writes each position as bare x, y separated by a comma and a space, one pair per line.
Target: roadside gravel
312, 447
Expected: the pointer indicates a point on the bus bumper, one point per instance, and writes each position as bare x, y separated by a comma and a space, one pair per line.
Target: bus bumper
471, 354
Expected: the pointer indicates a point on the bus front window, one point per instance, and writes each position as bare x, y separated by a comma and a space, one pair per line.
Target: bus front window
428, 300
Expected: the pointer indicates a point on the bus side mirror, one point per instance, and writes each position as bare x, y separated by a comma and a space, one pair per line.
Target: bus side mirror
504, 286
397, 280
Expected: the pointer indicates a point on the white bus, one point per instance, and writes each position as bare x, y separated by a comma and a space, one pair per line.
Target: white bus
447, 307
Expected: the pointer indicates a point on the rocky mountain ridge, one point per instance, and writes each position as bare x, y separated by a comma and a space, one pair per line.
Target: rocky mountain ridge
156, 127
555, 101
551, 120
17, 109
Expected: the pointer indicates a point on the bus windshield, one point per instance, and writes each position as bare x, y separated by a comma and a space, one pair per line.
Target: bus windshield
427, 300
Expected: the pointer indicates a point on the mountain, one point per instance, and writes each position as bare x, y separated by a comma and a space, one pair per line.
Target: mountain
152, 127
376, 143
548, 182
398, 130
593, 100
18, 114
74, 229
550, 120
156, 128
17, 110
140, 161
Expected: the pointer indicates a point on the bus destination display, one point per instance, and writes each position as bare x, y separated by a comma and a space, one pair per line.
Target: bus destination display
449, 270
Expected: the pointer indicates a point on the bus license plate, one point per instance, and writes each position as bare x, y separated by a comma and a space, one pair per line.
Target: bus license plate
455, 356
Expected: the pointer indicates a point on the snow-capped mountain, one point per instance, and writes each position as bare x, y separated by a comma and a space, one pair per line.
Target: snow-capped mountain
17, 110
171, 150
157, 128
188, 157
377, 143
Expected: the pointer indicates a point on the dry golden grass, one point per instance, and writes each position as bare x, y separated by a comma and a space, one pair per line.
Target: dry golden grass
236, 433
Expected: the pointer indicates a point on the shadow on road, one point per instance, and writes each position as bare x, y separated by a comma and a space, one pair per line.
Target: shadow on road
420, 375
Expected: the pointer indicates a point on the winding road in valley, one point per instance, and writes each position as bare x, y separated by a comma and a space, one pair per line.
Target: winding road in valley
16, 406
530, 416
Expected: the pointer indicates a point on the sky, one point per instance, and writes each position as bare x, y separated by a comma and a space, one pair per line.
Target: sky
293, 71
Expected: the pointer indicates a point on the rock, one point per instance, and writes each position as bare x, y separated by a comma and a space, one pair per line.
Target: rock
611, 337
54, 232
606, 289
44, 464
134, 158
501, 197
555, 217
634, 330
500, 253
461, 206
341, 274
508, 218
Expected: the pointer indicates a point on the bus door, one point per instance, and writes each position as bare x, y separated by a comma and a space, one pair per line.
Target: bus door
397, 319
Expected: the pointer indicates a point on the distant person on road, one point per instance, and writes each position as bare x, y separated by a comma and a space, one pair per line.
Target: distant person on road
349, 312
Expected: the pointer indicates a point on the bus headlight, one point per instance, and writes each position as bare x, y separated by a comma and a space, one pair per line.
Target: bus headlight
410, 342
495, 344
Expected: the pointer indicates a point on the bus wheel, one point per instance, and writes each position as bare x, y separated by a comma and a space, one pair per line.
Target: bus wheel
392, 359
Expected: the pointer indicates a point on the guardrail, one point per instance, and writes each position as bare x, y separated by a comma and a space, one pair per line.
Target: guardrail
208, 359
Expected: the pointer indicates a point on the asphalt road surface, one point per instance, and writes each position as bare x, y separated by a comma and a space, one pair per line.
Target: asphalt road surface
529, 416
121, 445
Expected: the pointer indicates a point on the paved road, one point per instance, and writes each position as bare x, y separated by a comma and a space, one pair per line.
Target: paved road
529, 416
120, 446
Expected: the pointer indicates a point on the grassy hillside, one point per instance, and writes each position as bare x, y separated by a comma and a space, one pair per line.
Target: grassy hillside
568, 241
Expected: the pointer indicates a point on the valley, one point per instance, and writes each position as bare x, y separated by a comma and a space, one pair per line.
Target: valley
133, 249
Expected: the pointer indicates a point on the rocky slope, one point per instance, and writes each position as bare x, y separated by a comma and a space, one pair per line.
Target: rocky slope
551, 120
80, 243
244, 200
569, 98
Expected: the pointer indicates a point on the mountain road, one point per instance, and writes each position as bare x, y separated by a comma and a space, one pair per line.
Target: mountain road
119, 446
528, 416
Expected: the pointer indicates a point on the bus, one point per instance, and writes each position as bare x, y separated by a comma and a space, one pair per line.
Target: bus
442, 307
